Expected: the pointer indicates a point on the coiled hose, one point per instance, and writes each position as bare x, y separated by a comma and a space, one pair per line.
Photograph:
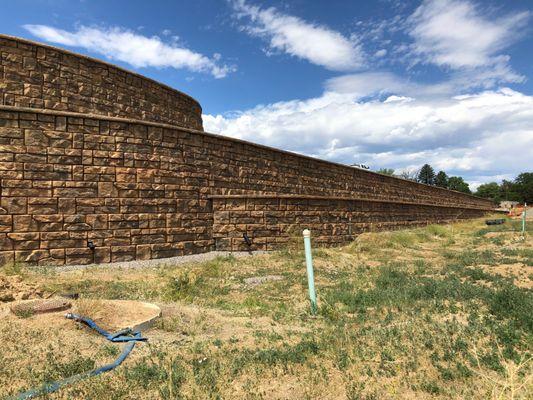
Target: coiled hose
124, 336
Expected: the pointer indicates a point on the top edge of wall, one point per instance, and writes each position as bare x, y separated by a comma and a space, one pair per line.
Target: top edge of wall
97, 60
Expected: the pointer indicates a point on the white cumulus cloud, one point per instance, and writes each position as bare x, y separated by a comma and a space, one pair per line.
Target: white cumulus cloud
484, 134
458, 34
121, 44
315, 43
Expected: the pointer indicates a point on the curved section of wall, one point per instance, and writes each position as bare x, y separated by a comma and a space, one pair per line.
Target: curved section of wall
131, 189
40, 76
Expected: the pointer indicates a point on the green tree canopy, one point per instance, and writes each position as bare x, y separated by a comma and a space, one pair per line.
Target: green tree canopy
426, 175
524, 187
458, 183
521, 189
490, 191
441, 179
508, 191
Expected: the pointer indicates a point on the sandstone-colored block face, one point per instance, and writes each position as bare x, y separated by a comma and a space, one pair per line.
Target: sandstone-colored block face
79, 256
31, 256
14, 205
144, 252
34, 137
102, 255
332, 228
53, 84
7, 257
107, 189
135, 189
6, 223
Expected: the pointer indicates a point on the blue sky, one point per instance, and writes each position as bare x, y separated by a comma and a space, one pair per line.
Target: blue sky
392, 84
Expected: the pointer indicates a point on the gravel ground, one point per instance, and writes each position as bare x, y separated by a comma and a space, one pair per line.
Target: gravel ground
161, 262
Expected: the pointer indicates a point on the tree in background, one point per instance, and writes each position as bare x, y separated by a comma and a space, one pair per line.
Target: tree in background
386, 171
490, 191
409, 174
441, 179
458, 183
426, 175
508, 192
524, 187
521, 189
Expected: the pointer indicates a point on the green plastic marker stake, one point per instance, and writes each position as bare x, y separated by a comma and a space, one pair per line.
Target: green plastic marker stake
310, 273
524, 220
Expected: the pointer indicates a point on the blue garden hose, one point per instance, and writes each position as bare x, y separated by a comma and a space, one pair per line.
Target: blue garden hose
125, 335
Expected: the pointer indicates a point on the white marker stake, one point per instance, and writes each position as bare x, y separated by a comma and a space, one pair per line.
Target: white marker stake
310, 273
524, 220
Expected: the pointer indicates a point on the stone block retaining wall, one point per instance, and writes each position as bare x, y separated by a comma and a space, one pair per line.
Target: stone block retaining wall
271, 222
141, 189
40, 76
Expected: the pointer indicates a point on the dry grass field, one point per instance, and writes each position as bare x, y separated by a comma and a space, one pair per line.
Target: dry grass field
442, 312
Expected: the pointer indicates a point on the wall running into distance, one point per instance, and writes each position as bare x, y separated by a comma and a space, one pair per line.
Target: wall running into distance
79, 167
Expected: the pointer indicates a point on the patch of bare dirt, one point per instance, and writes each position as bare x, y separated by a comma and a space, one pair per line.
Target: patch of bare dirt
14, 288
490, 235
26, 343
520, 272
113, 315
209, 324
